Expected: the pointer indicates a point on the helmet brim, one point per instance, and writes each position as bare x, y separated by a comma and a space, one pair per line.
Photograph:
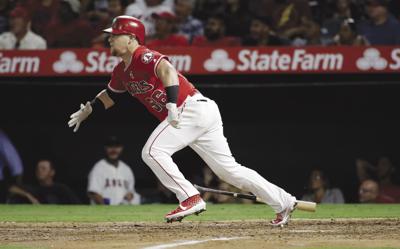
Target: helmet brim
109, 30
115, 32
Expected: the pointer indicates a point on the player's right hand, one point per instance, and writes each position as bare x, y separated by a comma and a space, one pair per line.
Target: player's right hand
78, 117
174, 116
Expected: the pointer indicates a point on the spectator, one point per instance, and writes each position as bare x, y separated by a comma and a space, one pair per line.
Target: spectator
383, 173
348, 35
369, 193
111, 181
66, 31
320, 10
5, 7
394, 7
308, 33
97, 15
9, 158
159, 195
165, 36
20, 35
143, 10
214, 34
206, 8
291, 19
261, 34
43, 12
115, 8
46, 191
382, 28
226, 198
187, 24
96, 5
344, 10
237, 17
262, 8
289, 15
209, 180
320, 191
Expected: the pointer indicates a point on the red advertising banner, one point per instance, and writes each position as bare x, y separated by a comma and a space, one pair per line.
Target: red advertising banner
210, 60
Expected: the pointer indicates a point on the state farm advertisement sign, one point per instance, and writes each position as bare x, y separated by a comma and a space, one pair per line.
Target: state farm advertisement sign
206, 61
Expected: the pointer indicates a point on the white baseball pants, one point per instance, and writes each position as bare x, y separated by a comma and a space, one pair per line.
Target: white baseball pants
202, 130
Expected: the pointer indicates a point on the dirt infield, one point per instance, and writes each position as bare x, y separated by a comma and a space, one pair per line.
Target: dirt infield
357, 233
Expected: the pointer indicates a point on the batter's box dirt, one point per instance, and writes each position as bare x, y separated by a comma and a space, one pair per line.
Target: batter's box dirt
339, 233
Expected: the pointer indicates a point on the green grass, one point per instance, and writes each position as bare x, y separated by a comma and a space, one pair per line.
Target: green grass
48, 213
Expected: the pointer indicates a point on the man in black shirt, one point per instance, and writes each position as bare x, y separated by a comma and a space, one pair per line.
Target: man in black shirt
46, 191
261, 34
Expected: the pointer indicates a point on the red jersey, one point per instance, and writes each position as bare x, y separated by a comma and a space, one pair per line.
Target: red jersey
141, 81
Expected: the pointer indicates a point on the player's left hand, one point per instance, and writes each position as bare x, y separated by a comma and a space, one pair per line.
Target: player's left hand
128, 197
174, 116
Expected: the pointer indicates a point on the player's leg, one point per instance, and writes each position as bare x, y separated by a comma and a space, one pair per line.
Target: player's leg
157, 154
213, 148
163, 143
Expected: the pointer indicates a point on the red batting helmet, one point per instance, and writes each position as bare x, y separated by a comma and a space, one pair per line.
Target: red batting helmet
127, 25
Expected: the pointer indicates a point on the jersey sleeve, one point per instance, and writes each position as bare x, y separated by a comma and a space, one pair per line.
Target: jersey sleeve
116, 84
10, 156
95, 181
131, 180
148, 61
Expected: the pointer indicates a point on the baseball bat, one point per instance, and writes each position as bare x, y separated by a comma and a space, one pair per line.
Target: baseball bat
301, 205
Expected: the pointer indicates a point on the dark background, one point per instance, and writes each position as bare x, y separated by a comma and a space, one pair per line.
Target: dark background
281, 126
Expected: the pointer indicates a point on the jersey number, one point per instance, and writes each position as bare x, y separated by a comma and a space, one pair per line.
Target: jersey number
157, 100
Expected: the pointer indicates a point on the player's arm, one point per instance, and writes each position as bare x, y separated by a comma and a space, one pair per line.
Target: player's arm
98, 199
169, 77
21, 192
130, 188
103, 101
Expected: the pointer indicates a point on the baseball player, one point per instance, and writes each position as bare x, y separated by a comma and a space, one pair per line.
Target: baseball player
187, 119
111, 181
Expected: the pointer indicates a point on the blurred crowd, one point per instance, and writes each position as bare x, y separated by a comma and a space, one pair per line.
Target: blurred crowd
41, 24
112, 182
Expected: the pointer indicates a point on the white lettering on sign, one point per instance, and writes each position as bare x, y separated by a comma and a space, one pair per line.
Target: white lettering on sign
22, 64
182, 63
100, 62
299, 60
396, 59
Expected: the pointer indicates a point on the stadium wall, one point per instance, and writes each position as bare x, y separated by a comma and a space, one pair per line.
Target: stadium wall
281, 127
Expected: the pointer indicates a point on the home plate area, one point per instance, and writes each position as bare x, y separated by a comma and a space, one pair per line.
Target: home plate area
325, 233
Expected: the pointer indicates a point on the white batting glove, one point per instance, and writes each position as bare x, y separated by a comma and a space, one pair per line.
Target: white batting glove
78, 117
174, 116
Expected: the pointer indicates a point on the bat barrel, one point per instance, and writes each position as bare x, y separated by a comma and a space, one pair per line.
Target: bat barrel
306, 206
